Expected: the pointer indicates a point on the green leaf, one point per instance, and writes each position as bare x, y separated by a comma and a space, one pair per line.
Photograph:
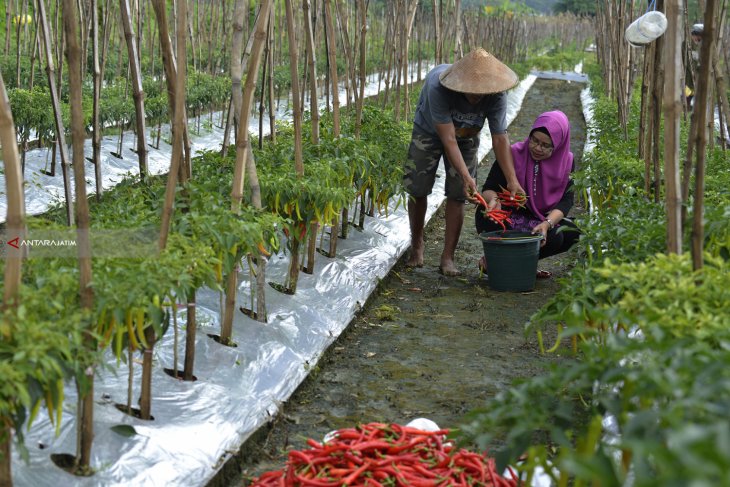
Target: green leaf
124, 430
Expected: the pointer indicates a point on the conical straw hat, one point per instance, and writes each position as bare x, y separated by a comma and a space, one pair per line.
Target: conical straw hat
479, 73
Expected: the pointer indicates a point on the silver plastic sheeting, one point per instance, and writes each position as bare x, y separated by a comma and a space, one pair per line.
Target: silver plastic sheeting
198, 425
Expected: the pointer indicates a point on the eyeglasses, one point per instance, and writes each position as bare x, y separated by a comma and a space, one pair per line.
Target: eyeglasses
542, 145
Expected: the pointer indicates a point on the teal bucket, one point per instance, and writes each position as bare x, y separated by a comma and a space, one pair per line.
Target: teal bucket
511, 259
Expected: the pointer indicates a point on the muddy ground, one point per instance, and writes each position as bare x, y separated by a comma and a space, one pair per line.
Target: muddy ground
424, 345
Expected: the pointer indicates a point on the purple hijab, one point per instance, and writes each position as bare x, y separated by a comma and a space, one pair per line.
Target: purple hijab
553, 177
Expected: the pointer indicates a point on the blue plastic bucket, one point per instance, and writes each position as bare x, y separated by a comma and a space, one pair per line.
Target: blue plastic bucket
511, 259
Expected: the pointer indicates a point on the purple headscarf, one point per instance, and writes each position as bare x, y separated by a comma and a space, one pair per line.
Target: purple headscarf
553, 177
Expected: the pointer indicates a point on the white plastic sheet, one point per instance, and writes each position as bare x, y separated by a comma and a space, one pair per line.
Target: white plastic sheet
198, 425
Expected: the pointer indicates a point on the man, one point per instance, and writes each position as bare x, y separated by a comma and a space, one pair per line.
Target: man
696, 33
454, 104
693, 63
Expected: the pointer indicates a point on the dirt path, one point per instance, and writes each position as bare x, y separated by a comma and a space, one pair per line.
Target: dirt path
424, 345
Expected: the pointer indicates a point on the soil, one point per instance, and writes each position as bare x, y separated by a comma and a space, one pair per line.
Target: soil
425, 345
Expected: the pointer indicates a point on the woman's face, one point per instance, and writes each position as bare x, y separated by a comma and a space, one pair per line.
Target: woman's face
540, 145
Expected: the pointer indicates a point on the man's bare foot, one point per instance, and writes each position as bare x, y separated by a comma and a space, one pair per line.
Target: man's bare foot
448, 268
416, 257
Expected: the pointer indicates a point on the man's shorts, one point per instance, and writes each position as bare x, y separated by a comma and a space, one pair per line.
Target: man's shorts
424, 155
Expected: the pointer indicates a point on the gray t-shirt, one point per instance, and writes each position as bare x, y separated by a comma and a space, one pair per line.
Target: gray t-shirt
441, 105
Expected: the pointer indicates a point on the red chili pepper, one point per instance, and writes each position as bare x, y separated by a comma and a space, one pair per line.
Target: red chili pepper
354, 475
314, 443
316, 482
480, 199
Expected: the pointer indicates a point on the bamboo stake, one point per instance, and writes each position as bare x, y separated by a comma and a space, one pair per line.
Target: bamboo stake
36, 51
388, 55
458, 48
96, 116
238, 59
672, 105
242, 150
297, 119
436, 4
137, 90
179, 169
236, 69
255, 187
362, 9
702, 106
9, 11
332, 60
264, 75
294, 72
410, 16
18, 28
57, 116
646, 122
190, 329
176, 96
721, 90
312, 66
15, 222
400, 24
350, 83
656, 95
85, 424
107, 29
272, 98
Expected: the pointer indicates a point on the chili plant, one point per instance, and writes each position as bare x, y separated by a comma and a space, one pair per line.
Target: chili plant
649, 412
41, 345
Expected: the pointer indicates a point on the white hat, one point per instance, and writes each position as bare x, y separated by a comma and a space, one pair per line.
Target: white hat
478, 73
698, 28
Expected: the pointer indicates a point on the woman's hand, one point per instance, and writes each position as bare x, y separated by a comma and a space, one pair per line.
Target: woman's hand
541, 228
492, 200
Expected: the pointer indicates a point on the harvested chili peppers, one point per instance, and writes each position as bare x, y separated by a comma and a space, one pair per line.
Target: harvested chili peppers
499, 216
506, 199
379, 455
513, 201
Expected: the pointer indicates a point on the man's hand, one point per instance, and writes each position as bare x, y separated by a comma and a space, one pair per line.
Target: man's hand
470, 188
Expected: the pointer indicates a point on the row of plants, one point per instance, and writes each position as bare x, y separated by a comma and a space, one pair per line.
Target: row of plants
33, 112
643, 400
137, 286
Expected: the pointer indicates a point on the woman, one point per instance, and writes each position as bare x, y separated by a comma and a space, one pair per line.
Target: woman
543, 163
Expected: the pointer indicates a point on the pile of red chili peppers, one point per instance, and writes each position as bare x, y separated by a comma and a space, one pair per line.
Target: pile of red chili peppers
506, 199
380, 455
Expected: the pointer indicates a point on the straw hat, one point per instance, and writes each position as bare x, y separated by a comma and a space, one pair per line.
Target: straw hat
478, 73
